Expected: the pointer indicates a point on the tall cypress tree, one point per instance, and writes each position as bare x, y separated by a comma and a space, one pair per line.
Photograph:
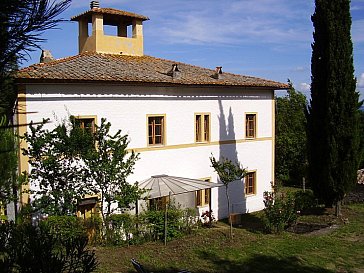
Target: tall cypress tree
333, 128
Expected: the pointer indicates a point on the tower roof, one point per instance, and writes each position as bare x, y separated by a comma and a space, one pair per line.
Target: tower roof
111, 16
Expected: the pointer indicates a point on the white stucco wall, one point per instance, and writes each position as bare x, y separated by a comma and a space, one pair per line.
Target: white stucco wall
127, 107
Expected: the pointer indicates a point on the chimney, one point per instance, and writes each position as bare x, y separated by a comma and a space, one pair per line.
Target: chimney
174, 72
46, 56
94, 4
218, 73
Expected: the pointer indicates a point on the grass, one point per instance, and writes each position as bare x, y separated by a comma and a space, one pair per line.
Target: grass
210, 250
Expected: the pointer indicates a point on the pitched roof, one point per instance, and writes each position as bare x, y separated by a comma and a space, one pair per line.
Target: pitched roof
108, 11
97, 67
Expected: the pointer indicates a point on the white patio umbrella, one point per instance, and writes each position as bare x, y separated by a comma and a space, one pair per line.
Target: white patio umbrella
165, 185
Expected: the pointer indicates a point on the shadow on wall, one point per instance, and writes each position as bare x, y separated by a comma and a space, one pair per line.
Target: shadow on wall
236, 189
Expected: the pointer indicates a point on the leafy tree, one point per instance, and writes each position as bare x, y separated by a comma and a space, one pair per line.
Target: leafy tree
21, 24
228, 172
57, 174
333, 130
110, 163
8, 159
291, 137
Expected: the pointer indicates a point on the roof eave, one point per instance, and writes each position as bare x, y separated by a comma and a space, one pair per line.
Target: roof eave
24, 81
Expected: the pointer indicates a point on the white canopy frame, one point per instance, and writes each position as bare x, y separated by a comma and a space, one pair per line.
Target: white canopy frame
164, 185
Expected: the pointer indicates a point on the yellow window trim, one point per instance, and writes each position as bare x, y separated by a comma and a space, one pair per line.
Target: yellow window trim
202, 194
202, 114
256, 125
255, 183
164, 130
193, 145
81, 117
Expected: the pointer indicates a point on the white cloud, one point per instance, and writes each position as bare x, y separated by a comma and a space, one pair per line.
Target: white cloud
300, 69
304, 87
360, 83
357, 31
234, 22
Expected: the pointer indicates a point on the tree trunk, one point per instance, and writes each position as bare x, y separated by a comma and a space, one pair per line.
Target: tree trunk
228, 203
338, 209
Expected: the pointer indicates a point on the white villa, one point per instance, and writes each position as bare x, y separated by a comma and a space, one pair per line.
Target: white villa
176, 114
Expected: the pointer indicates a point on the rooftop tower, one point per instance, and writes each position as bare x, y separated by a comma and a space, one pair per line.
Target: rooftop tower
123, 43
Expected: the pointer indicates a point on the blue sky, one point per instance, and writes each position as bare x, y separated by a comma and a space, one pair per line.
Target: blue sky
263, 38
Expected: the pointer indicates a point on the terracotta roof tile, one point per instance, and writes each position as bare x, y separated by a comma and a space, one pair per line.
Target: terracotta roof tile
108, 11
133, 69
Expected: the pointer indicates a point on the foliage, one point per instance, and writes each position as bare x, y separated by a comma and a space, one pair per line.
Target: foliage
208, 218
8, 95
155, 221
228, 172
279, 210
333, 128
120, 229
25, 248
209, 250
22, 22
304, 200
179, 222
58, 178
8, 159
94, 228
110, 163
64, 227
291, 155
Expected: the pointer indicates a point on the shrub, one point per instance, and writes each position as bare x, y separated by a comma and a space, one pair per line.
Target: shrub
93, 226
279, 211
179, 222
25, 248
65, 227
304, 200
120, 229
206, 217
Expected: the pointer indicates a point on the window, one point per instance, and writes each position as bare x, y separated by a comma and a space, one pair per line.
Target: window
250, 183
156, 130
87, 207
203, 196
158, 203
202, 127
86, 123
250, 125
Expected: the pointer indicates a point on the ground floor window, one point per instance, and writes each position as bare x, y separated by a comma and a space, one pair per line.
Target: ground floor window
203, 196
250, 183
87, 207
158, 203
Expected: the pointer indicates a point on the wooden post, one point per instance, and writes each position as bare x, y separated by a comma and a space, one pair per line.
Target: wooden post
304, 184
210, 209
165, 219
137, 216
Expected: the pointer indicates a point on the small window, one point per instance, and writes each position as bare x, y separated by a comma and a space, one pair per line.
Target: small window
86, 123
158, 203
250, 183
250, 126
203, 196
156, 130
202, 127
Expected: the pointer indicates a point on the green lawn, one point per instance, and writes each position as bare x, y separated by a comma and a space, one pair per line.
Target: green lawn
210, 250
